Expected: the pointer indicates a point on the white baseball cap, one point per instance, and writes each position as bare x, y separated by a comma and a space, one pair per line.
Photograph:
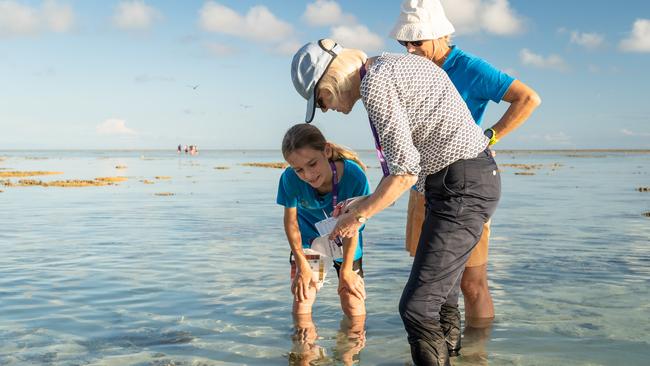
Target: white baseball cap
307, 68
421, 20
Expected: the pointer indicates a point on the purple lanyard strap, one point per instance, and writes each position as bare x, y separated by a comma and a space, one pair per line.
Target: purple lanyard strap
335, 185
380, 152
335, 194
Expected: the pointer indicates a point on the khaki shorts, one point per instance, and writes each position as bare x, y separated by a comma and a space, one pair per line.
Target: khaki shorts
415, 218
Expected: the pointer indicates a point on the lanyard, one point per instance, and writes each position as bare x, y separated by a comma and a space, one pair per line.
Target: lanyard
380, 152
335, 195
335, 185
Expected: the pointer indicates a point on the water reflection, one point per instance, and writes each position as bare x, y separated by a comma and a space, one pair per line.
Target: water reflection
475, 338
304, 350
350, 340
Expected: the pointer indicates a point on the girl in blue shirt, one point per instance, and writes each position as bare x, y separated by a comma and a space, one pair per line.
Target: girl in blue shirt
320, 175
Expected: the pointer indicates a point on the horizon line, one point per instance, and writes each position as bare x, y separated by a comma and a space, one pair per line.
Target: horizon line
363, 150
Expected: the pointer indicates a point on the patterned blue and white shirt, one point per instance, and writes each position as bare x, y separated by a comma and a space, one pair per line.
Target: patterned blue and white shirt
422, 122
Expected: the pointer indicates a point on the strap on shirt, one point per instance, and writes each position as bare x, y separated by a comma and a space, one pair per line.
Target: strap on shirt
380, 152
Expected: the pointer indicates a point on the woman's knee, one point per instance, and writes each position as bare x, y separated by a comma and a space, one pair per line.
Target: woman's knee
473, 284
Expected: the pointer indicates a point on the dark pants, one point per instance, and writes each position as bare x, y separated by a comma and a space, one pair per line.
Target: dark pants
460, 199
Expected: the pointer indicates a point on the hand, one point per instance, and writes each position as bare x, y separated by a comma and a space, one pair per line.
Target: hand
346, 227
352, 282
301, 283
348, 205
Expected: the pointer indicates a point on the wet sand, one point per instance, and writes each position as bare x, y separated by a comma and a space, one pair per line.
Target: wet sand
276, 165
16, 173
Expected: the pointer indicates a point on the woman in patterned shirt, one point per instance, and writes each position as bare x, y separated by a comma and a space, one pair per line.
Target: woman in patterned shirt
424, 135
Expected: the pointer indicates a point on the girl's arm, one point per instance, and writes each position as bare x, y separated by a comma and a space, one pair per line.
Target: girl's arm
303, 277
348, 279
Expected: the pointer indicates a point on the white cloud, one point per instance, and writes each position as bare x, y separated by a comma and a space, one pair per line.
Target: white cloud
639, 39
135, 15
220, 49
114, 126
493, 16
58, 17
259, 24
325, 13
558, 138
555, 62
627, 132
357, 36
287, 48
18, 20
497, 17
587, 40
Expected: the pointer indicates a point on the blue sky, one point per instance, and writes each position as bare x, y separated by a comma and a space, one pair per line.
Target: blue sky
119, 74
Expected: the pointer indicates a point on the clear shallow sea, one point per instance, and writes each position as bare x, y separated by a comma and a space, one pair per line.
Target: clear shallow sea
117, 275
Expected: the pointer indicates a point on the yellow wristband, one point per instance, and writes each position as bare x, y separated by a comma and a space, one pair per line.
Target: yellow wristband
493, 139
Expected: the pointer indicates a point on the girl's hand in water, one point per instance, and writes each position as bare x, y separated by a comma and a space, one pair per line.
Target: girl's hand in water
301, 283
352, 282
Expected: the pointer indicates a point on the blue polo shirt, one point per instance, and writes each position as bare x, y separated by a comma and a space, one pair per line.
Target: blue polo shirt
476, 80
294, 192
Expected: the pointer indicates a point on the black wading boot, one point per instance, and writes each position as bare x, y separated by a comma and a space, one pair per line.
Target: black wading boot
450, 324
430, 353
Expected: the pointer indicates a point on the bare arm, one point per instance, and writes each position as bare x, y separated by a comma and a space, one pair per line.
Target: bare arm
348, 279
303, 279
292, 231
349, 248
523, 101
388, 191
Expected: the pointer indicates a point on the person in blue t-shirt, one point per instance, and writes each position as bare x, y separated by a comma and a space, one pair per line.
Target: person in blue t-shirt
423, 28
320, 175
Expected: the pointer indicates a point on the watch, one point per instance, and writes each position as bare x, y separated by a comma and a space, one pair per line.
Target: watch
492, 135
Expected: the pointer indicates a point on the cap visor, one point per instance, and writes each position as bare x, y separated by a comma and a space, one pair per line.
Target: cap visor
311, 109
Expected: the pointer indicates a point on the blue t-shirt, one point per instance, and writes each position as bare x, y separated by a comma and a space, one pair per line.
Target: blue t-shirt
476, 80
294, 192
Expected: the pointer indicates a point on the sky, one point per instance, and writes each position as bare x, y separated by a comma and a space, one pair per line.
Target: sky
104, 74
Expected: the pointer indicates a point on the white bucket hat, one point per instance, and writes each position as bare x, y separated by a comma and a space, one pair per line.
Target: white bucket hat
421, 20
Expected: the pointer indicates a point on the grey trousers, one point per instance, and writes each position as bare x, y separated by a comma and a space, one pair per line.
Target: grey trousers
460, 199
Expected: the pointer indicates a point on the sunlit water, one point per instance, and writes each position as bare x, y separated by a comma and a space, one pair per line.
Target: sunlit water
117, 275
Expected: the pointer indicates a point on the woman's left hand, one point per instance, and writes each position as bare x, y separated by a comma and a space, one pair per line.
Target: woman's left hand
351, 281
348, 205
346, 227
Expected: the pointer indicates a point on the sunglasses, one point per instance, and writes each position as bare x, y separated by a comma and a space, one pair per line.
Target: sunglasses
413, 43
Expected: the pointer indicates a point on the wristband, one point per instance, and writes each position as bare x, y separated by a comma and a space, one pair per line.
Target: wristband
492, 135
